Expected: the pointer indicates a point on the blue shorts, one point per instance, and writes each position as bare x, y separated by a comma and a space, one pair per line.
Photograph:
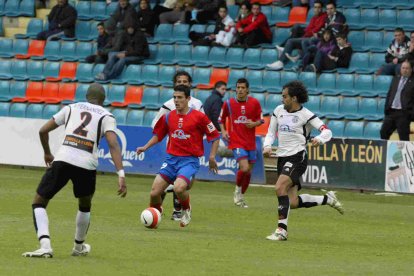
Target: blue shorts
250, 155
184, 167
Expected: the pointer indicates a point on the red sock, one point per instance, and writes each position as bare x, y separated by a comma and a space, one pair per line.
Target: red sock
156, 206
185, 203
239, 178
246, 181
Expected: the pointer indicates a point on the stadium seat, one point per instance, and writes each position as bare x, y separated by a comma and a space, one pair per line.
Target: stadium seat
131, 75
267, 11
5, 94
27, 8
353, 18
98, 11
180, 34
279, 14
388, 37
286, 77
381, 107
260, 97
251, 58
376, 60
373, 41
150, 98
84, 73
51, 52
297, 16
354, 129
255, 78
271, 81
166, 95
82, 32
20, 46
132, 98
268, 56
314, 104
280, 35
359, 63
148, 117
116, 93
135, 118
326, 84
234, 58
120, 115
49, 110
234, 75
216, 57
80, 95
200, 28
5, 70
33, 93
154, 57
263, 128
35, 70
11, 8
67, 72
388, 18
165, 75
345, 85
183, 55
66, 92
309, 79
349, 108
330, 107
18, 89
364, 86
18, 110
149, 75
200, 56
202, 95
217, 74
93, 34
6, 48
368, 109
4, 109
370, 19
405, 19
382, 84
19, 70
357, 39
163, 34
272, 101
110, 8
68, 51
36, 48
166, 55
337, 127
50, 92
372, 130
34, 27
34, 111
201, 76
84, 10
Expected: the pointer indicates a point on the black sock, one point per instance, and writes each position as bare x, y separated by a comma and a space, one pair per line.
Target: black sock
283, 211
177, 204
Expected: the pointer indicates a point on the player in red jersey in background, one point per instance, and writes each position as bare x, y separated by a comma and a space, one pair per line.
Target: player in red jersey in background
185, 128
245, 114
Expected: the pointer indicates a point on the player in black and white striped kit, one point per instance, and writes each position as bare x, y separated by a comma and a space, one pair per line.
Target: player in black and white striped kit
292, 123
76, 160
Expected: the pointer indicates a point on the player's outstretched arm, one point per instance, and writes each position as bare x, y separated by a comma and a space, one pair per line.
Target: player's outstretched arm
212, 160
150, 143
117, 158
44, 139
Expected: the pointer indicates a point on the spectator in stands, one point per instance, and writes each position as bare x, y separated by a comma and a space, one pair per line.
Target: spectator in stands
339, 57
300, 35
335, 21
396, 53
213, 104
62, 21
132, 48
399, 104
102, 41
244, 11
410, 55
223, 33
178, 14
325, 46
254, 29
146, 21
116, 22
307, 3
204, 11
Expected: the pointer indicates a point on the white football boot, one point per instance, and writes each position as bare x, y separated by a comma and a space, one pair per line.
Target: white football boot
185, 217
334, 202
40, 253
81, 249
279, 235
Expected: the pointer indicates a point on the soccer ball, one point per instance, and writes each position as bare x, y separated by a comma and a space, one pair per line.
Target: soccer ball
151, 217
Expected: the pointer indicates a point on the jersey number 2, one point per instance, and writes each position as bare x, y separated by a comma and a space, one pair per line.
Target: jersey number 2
86, 117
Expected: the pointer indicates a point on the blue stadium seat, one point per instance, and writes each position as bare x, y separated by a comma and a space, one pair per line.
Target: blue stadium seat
373, 41
388, 37
163, 34
165, 75
337, 127
234, 75
154, 55
326, 84
381, 107
111, 8
18, 110
5, 94
2, 4
199, 28
376, 60
165, 95
5, 70
120, 115
272, 101
4, 109
279, 14
34, 27
35, 70
216, 57
84, 73
372, 130
382, 84
148, 117
200, 56
18, 89
251, 58
11, 8
19, 70
330, 107
388, 18
80, 95
6, 48
51, 69
370, 19
368, 109
68, 51
255, 78
271, 81
180, 34
34, 111
345, 85
234, 58
268, 56
309, 79
98, 11
135, 118
281, 35
286, 77
82, 31
349, 108
354, 129
83, 49
20, 46
183, 55
359, 63
49, 110
131, 75
166, 54
150, 98
314, 104
233, 11
202, 95
84, 10
27, 8
149, 75
353, 18
405, 19
260, 97
364, 86
201, 76
116, 93
357, 40
51, 52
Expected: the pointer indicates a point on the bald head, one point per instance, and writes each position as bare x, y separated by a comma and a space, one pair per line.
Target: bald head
95, 94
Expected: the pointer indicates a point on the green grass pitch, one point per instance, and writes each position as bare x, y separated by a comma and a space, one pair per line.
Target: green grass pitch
374, 237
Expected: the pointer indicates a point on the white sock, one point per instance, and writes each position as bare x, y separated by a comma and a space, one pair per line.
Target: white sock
82, 225
42, 224
238, 189
312, 199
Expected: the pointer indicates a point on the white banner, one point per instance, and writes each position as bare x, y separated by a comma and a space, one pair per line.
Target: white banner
400, 167
20, 142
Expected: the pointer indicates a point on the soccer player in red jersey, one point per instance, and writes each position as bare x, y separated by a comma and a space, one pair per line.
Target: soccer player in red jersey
245, 114
185, 128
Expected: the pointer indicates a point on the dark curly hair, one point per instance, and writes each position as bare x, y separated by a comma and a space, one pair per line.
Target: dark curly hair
296, 88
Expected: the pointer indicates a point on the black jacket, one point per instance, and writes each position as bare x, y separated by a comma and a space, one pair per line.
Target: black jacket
65, 16
212, 107
407, 96
117, 19
146, 21
135, 44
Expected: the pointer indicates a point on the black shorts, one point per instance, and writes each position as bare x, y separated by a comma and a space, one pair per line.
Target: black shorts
293, 166
56, 177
